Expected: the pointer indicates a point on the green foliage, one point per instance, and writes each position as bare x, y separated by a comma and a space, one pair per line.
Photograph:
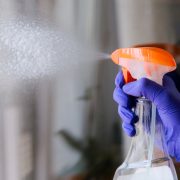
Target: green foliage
97, 162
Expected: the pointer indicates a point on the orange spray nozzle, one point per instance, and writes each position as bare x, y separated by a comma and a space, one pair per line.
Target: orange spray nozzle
115, 58
149, 62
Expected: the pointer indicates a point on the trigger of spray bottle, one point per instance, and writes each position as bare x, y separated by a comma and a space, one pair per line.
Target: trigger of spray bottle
127, 76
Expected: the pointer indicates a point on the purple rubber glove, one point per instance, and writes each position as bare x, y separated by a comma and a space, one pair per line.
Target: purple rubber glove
167, 100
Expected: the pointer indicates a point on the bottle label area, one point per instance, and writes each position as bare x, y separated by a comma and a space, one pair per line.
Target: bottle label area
155, 173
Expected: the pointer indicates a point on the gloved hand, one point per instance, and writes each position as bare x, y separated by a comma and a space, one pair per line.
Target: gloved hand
167, 100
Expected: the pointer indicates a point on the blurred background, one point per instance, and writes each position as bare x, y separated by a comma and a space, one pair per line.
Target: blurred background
64, 125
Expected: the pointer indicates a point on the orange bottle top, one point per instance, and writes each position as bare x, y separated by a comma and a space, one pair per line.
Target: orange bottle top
149, 62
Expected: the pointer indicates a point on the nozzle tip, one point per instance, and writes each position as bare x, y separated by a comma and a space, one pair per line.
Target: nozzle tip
115, 57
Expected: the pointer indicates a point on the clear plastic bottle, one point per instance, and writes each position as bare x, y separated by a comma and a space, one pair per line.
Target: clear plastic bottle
148, 157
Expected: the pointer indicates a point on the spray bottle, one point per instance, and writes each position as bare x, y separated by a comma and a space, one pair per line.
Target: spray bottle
148, 156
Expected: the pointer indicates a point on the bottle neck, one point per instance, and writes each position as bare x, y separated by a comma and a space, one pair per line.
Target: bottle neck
148, 144
145, 128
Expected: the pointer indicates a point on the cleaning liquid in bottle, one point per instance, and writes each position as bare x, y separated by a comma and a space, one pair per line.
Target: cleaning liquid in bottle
148, 157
